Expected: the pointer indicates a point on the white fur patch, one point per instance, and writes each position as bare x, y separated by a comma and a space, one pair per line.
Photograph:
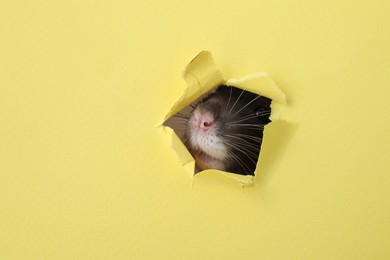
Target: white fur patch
209, 142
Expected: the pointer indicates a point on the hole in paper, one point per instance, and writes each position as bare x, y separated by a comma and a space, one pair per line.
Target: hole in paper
223, 129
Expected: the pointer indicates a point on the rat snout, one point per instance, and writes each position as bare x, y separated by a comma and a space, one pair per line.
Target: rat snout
203, 120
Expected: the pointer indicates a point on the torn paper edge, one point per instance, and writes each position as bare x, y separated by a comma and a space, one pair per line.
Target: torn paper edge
202, 75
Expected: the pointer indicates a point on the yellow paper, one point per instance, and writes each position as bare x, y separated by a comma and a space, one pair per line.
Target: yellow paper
86, 174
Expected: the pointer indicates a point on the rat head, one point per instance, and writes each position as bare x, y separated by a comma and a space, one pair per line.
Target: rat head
225, 130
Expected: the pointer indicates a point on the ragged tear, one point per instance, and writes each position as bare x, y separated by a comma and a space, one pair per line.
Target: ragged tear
218, 124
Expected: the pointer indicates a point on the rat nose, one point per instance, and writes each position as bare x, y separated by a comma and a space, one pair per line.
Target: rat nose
203, 120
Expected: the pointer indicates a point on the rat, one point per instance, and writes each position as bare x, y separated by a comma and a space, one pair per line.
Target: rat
225, 130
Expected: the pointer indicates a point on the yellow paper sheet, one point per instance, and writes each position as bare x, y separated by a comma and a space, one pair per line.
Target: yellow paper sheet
85, 173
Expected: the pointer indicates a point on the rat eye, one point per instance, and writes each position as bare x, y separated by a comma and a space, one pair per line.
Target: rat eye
263, 114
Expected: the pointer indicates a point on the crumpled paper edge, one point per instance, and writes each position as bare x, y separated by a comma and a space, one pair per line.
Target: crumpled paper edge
202, 75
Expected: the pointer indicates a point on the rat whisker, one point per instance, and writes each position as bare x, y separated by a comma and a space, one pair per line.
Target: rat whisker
243, 165
247, 126
239, 138
258, 139
246, 105
251, 128
257, 125
246, 141
253, 148
264, 113
242, 92
244, 152
248, 117
244, 119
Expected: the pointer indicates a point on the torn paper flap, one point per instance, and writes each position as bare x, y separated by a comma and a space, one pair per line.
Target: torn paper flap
201, 75
244, 180
177, 145
259, 83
